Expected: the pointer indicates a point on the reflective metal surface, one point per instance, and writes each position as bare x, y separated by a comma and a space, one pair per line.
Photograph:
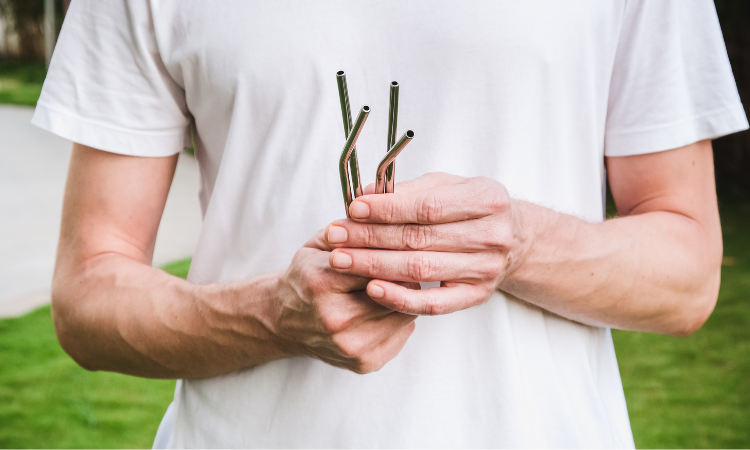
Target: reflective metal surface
390, 172
346, 154
346, 114
380, 177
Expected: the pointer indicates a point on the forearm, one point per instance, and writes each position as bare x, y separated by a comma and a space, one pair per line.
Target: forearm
656, 271
117, 314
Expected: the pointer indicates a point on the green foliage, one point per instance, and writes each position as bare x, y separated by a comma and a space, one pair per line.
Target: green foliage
21, 82
23, 72
25, 18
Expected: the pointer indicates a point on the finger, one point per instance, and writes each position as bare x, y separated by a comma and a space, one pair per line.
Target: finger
468, 236
415, 266
428, 181
362, 337
385, 351
470, 199
318, 242
369, 189
315, 269
433, 301
344, 311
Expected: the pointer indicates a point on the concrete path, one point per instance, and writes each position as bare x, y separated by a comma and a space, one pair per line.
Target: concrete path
33, 166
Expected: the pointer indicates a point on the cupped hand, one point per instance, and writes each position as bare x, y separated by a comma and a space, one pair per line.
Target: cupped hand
439, 227
325, 314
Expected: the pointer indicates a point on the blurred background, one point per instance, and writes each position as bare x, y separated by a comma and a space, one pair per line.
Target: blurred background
681, 392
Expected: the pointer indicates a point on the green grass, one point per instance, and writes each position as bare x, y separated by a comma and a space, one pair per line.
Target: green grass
681, 392
21, 82
48, 401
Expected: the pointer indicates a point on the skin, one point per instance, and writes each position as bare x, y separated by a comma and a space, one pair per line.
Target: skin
656, 268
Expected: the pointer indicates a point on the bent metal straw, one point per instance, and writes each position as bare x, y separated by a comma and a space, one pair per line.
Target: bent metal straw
381, 177
346, 153
385, 174
346, 114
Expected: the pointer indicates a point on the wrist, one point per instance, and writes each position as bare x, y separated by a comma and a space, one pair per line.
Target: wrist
523, 236
242, 315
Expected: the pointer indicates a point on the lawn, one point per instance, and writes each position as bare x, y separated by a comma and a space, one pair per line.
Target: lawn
21, 83
681, 392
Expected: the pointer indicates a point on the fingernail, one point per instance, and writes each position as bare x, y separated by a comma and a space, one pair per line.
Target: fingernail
341, 260
337, 235
359, 210
375, 291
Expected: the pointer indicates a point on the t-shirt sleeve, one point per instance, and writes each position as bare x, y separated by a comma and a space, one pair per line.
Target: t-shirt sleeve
672, 84
107, 86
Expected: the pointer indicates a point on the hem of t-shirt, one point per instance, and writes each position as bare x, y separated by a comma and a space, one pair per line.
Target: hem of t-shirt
710, 125
68, 125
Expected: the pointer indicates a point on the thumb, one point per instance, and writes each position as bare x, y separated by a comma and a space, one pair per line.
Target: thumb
319, 241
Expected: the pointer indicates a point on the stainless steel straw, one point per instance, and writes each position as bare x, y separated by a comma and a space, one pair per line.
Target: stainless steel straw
390, 172
346, 114
380, 177
346, 154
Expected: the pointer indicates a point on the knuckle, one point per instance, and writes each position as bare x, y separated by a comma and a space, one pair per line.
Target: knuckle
419, 268
371, 264
434, 308
418, 237
317, 280
333, 323
494, 195
429, 209
368, 365
347, 350
361, 367
494, 267
389, 212
365, 234
495, 201
499, 239
399, 302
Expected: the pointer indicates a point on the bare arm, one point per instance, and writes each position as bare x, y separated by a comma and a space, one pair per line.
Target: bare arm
113, 311
656, 268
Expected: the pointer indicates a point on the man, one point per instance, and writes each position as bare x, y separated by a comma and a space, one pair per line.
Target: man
518, 108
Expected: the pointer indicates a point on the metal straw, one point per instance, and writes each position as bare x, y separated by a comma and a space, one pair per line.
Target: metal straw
346, 114
347, 152
380, 178
390, 172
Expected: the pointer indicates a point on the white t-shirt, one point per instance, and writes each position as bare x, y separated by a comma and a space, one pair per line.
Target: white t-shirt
533, 94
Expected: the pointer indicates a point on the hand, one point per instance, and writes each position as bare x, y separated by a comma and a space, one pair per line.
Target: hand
328, 315
459, 231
